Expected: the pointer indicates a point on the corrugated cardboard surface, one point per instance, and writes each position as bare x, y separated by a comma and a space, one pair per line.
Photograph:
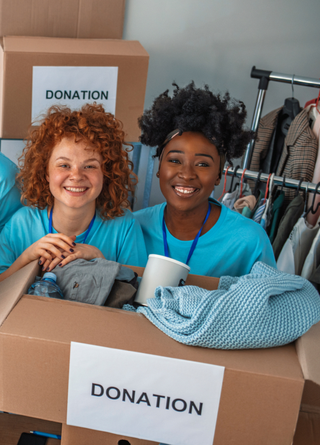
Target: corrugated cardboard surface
13, 288
308, 428
308, 350
12, 426
82, 436
101, 19
209, 283
261, 390
18, 55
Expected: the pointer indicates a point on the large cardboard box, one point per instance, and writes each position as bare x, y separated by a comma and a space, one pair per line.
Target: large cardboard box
261, 390
99, 19
18, 56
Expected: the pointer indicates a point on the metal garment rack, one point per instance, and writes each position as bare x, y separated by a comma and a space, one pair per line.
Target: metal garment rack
277, 180
265, 77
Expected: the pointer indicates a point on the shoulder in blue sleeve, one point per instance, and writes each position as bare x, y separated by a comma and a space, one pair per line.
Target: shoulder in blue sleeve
9, 192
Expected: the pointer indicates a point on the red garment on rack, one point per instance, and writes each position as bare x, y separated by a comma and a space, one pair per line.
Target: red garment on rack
310, 102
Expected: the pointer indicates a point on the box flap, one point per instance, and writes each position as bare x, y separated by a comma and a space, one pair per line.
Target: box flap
12, 288
308, 350
209, 283
58, 45
61, 18
100, 19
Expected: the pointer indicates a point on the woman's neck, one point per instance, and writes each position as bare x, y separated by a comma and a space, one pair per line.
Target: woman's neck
71, 221
185, 225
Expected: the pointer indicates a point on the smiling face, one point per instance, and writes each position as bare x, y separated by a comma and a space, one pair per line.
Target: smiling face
189, 171
74, 174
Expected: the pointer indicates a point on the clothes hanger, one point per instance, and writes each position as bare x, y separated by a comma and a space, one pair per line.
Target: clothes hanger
237, 184
233, 176
305, 201
267, 188
266, 201
310, 209
277, 190
283, 183
225, 183
241, 182
298, 187
257, 183
317, 103
291, 106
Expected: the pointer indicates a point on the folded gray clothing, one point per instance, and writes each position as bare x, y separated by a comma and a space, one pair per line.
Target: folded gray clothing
90, 281
120, 294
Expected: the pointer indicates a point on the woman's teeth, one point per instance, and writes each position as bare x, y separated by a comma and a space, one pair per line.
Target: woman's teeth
74, 189
185, 190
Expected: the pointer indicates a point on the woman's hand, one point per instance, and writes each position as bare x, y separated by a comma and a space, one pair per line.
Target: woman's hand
84, 251
48, 248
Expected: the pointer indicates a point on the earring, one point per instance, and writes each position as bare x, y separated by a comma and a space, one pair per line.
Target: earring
157, 174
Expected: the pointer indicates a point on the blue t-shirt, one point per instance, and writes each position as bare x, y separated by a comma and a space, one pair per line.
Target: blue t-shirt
9, 193
119, 239
230, 247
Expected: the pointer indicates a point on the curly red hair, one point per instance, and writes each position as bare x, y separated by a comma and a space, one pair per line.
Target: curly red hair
90, 124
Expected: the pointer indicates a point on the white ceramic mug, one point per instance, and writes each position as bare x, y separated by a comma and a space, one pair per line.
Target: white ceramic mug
160, 271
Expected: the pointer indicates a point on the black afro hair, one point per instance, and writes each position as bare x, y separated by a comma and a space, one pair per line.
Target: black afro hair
219, 118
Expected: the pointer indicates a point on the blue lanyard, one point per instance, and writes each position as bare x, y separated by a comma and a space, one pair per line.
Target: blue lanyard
194, 244
88, 229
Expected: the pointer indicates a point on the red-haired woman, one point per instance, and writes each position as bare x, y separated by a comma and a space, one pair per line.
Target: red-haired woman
75, 178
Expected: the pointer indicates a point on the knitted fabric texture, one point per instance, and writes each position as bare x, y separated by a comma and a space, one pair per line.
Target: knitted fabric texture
263, 309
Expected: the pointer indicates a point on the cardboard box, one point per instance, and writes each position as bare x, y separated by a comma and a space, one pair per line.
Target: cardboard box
12, 426
18, 56
89, 19
308, 426
261, 391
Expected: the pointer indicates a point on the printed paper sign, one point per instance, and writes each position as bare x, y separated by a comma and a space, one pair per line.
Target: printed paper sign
142, 395
73, 86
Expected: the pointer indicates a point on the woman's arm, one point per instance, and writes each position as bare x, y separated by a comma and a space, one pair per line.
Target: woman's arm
47, 247
17, 265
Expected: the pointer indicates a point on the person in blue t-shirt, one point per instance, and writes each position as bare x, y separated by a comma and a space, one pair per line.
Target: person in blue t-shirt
75, 178
10, 196
195, 131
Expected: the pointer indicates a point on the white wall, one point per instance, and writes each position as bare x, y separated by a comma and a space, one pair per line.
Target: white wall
217, 42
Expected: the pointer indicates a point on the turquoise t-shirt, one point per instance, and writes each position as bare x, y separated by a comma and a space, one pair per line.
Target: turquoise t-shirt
119, 239
230, 247
9, 192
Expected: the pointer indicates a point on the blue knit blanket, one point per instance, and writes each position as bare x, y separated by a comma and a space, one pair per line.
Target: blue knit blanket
263, 309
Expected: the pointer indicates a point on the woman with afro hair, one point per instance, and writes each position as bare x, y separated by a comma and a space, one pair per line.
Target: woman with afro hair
195, 132
75, 178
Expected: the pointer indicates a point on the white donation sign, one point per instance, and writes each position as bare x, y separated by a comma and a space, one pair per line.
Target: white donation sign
145, 396
73, 86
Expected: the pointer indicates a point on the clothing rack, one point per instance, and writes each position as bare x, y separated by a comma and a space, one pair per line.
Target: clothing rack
277, 180
265, 77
